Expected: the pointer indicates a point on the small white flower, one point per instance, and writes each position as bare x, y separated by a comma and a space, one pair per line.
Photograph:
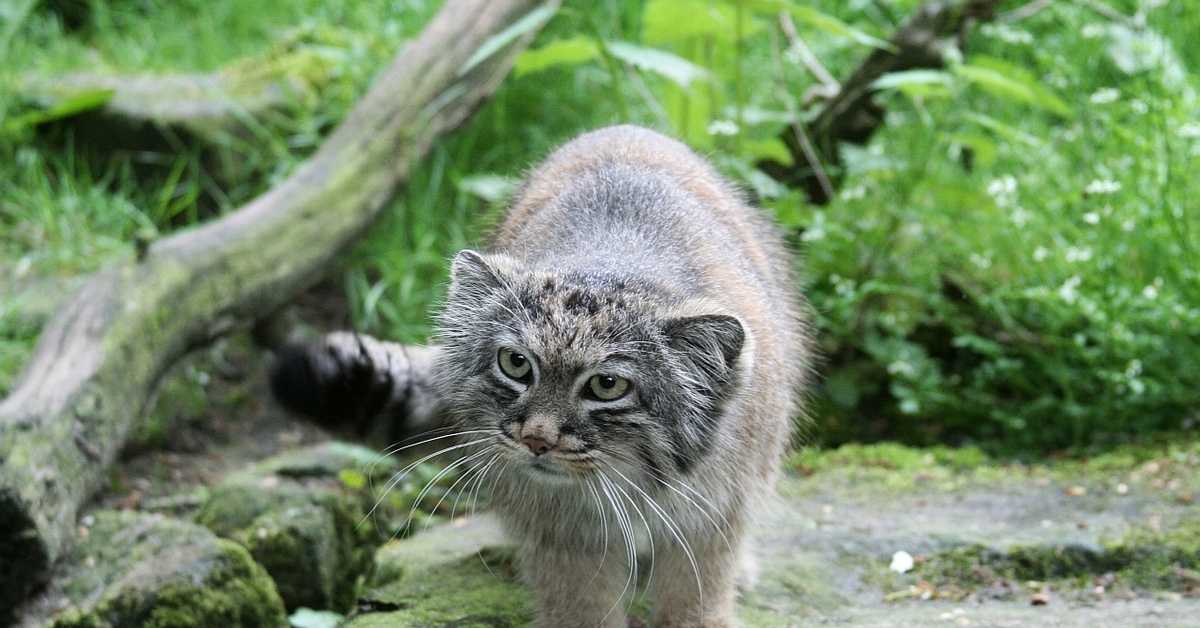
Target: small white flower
1020, 216
1139, 106
1102, 186
1004, 185
1094, 31
1190, 130
853, 192
1078, 254
1104, 96
901, 368
1091, 218
902, 562
1069, 291
1040, 253
1150, 292
1133, 369
1006, 33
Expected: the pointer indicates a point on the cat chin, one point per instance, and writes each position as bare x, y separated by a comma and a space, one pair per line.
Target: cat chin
547, 473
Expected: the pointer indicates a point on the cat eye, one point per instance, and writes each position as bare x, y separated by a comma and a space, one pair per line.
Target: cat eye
514, 364
608, 387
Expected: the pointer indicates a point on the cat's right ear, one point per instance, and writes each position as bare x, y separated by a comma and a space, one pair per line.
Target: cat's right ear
471, 272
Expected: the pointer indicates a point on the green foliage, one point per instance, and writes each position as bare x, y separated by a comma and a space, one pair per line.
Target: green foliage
1010, 262
1040, 295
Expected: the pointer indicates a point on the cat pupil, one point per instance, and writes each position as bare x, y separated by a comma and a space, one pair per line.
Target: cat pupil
607, 381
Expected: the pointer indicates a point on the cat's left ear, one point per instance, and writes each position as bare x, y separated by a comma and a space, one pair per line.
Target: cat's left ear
474, 273
710, 345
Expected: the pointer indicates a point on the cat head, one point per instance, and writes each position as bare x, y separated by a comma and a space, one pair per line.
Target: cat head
569, 371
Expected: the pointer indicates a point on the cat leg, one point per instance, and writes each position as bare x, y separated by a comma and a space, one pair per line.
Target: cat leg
696, 586
575, 588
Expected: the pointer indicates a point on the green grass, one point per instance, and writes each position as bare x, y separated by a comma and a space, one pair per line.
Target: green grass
1012, 261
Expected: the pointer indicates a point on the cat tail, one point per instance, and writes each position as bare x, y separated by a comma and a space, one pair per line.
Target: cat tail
359, 388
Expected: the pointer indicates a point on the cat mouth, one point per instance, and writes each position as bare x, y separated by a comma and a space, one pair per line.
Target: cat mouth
541, 465
548, 471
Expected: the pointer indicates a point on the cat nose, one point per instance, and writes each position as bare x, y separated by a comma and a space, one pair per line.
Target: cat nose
537, 445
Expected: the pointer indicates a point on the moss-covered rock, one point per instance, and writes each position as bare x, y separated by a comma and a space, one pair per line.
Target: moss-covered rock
132, 569
1150, 556
459, 574
303, 521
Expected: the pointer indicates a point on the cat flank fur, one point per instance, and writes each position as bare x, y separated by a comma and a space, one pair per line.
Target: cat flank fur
623, 365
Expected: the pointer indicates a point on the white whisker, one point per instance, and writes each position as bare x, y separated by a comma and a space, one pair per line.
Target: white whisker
626, 526
604, 528
399, 475
464, 460
672, 528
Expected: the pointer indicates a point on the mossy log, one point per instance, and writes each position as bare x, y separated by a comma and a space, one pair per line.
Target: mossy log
94, 371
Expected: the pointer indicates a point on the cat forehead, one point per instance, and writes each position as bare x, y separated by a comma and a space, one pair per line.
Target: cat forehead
583, 315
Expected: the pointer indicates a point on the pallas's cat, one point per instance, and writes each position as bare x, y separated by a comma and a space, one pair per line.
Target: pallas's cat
622, 364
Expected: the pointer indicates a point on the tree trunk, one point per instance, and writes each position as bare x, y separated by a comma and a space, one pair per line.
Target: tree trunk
95, 368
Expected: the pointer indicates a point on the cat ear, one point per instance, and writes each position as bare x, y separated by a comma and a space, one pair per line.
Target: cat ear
470, 271
710, 345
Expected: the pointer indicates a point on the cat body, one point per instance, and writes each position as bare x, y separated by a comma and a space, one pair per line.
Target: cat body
624, 363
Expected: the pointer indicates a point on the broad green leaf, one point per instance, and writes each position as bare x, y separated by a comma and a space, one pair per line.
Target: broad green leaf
492, 188
771, 148
757, 115
532, 20
1007, 81
1006, 131
982, 147
71, 106
571, 51
689, 115
899, 80
673, 20
838, 28
675, 68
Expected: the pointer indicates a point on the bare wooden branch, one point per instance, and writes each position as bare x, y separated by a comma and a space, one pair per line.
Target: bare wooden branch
98, 361
852, 115
807, 57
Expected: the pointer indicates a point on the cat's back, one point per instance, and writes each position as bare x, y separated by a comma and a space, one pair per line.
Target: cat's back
634, 203
625, 196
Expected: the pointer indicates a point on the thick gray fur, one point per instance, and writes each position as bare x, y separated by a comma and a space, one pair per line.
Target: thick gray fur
626, 254
624, 257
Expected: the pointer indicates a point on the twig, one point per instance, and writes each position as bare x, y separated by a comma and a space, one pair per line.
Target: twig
1136, 22
807, 57
798, 131
1025, 12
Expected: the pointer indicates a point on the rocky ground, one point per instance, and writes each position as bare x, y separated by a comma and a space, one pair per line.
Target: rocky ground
228, 511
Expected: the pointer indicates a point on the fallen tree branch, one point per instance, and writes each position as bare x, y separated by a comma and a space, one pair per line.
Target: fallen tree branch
852, 115
96, 366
